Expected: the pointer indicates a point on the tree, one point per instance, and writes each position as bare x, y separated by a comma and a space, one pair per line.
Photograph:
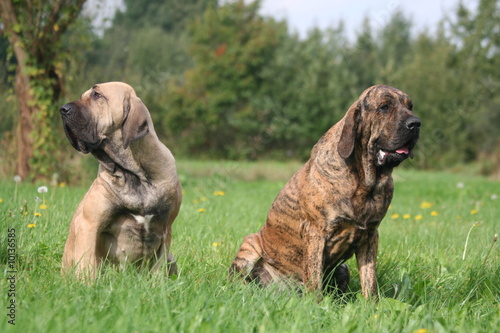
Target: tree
306, 89
211, 108
477, 62
147, 36
394, 45
452, 76
169, 15
146, 46
34, 31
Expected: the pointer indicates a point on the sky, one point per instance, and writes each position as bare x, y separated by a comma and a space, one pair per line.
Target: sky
303, 15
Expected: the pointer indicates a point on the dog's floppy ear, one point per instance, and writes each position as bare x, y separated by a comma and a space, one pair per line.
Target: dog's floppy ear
345, 146
135, 120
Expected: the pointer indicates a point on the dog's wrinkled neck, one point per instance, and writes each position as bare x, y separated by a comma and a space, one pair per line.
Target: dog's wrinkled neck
104, 160
117, 161
359, 167
135, 161
370, 175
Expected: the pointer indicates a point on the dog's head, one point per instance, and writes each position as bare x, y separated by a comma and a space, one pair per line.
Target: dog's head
381, 120
108, 111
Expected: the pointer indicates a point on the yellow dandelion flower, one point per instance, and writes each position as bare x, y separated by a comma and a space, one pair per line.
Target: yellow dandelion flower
203, 199
375, 316
37, 214
215, 244
1, 200
201, 210
219, 193
421, 330
395, 216
474, 211
425, 205
406, 216
43, 206
31, 225
63, 184
418, 217
434, 213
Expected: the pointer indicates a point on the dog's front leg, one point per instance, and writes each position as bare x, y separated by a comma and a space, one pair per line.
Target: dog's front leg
366, 257
163, 254
313, 259
81, 249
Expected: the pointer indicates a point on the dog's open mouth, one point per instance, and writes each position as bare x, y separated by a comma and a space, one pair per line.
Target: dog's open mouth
393, 157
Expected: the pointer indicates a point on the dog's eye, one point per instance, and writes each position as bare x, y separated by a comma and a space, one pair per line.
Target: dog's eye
410, 107
96, 95
384, 108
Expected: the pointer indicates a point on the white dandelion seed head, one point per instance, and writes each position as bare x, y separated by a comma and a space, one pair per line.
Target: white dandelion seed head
460, 185
17, 178
43, 189
494, 197
55, 179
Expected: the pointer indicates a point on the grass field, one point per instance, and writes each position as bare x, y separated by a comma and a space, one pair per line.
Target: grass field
425, 284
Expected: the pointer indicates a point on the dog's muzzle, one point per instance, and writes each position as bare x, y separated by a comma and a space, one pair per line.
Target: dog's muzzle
394, 156
77, 129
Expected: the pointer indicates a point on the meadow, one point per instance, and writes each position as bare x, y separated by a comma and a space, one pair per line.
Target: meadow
426, 281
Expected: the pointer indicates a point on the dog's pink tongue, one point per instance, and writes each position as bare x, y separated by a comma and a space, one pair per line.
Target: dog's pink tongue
403, 150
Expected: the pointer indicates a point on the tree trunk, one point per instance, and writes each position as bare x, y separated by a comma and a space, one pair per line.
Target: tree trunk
33, 30
22, 87
24, 125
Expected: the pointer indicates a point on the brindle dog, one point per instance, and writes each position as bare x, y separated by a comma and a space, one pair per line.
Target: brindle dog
332, 207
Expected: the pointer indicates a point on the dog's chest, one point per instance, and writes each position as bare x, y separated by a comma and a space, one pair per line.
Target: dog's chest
139, 197
133, 227
346, 229
132, 236
143, 222
342, 243
144, 228
143, 198
368, 208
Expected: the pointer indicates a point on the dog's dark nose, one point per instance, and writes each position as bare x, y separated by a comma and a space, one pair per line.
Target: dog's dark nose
66, 109
412, 123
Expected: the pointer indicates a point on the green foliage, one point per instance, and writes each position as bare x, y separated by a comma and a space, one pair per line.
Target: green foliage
169, 15
35, 29
424, 284
458, 107
215, 100
258, 91
44, 160
45, 69
146, 46
146, 40
226, 82
305, 91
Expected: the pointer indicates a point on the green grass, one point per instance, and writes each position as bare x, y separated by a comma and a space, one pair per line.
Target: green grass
425, 285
